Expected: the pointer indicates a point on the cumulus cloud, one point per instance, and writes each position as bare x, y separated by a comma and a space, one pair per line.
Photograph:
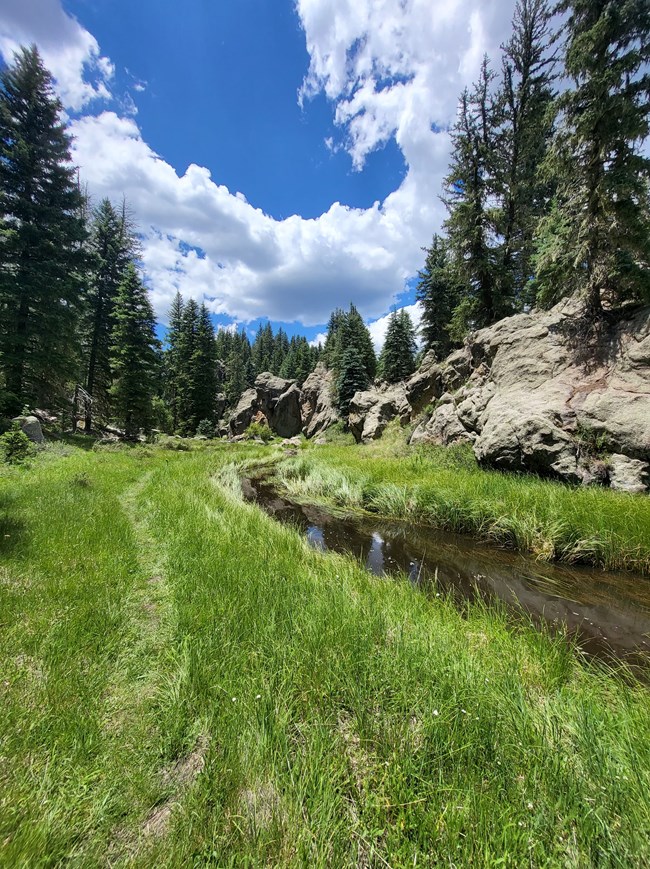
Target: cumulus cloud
391, 68
69, 51
378, 328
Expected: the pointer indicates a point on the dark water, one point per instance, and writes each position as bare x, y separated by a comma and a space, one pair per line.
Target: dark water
609, 613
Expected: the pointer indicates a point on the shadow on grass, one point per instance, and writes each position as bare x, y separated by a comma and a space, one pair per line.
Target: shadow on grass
11, 529
82, 441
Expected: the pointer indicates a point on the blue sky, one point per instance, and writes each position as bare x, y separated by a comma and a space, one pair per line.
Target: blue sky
281, 158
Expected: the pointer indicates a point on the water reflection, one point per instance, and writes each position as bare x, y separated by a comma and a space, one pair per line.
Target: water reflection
609, 612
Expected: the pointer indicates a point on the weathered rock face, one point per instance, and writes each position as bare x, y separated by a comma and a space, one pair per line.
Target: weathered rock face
276, 400
279, 400
219, 405
243, 414
31, 427
373, 409
317, 407
531, 398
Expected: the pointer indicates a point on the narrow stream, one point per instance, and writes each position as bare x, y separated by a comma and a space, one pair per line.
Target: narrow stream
608, 612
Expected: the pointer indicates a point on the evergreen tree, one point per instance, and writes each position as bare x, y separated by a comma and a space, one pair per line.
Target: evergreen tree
262, 350
469, 192
133, 355
332, 341
280, 350
596, 239
187, 347
171, 359
437, 292
204, 371
352, 377
41, 234
355, 332
112, 247
397, 359
524, 113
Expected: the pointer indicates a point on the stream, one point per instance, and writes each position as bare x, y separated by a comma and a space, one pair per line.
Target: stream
608, 613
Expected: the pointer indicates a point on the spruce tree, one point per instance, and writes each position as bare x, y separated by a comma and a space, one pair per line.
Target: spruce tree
171, 359
112, 246
596, 239
437, 292
468, 194
204, 370
525, 118
397, 359
352, 377
41, 235
134, 358
187, 346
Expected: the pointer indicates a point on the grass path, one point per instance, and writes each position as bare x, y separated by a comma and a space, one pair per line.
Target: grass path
185, 683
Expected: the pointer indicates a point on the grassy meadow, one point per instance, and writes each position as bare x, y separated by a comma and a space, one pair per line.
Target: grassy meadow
184, 682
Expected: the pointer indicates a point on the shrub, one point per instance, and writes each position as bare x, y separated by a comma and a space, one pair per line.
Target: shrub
259, 430
16, 446
205, 428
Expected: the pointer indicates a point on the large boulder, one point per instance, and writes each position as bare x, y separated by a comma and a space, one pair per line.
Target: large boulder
273, 399
243, 414
534, 397
372, 410
426, 384
317, 404
31, 427
279, 400
444, 428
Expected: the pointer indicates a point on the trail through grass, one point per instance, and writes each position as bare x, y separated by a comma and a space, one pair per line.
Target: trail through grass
186, 683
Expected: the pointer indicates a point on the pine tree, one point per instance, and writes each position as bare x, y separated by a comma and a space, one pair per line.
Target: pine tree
112, 247
437, 292
134, 358
596, 239
41, 234
397, 359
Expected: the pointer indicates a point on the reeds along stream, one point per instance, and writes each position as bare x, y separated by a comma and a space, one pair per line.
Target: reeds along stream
608, 613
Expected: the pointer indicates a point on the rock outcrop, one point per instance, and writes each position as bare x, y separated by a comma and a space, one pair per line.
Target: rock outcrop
317, 405
272, 399
529, 396
372, 410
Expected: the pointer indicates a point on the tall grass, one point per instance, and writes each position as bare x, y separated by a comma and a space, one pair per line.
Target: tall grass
445, 489
187, 683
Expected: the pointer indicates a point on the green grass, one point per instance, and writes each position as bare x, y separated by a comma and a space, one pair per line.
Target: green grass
444, 488
185, 683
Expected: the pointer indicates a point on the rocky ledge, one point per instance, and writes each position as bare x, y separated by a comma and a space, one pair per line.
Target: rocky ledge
528, 395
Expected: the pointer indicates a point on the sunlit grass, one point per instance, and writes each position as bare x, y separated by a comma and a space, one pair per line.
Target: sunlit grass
445, 489
186, 683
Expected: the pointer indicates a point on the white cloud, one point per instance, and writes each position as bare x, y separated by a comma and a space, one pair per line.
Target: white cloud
378, 328
69, 51
392, 69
